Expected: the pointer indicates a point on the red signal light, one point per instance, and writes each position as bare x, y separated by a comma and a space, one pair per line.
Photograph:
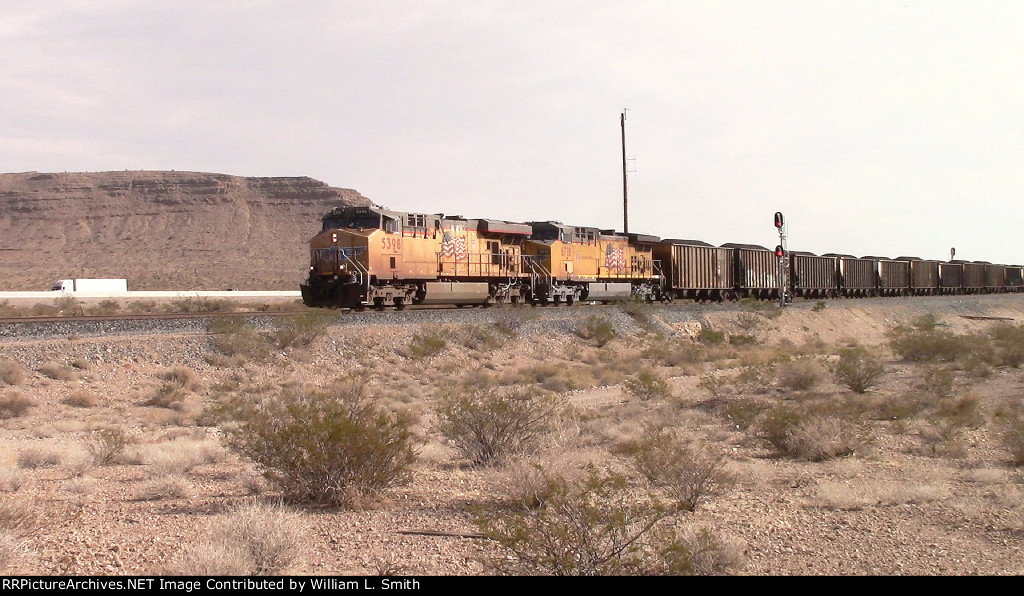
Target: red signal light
779, 222
779, 252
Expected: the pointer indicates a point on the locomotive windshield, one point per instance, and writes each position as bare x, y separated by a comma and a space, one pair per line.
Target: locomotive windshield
352, 218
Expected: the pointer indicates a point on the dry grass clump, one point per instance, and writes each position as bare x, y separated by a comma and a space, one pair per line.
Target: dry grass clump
235, 337
14, 404
38, 457
806, 434
489, 425
511, 320
59, 372
480, 338
181, 455
183, 377
526, 483
20, 516
1012, 438
81, 399
165, 487
254, 539
599, 526
800, 375
964, 410
11, 373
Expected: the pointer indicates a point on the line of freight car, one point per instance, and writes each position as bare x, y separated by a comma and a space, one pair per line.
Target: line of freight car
700, 271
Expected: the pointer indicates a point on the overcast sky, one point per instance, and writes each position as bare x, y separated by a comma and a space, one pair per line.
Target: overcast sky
877, 127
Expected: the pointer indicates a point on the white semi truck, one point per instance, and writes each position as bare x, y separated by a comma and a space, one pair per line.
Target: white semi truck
90, 285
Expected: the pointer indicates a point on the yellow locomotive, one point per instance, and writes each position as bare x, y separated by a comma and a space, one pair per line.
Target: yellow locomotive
369, 256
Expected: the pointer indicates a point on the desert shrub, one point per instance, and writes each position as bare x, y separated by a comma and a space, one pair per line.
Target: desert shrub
800, 375
168, 395
743, 411
183, 377
480, 337
528, 483
819, 438
927, 344
234, 336
749, 322
740, 339
1013, 439
858, 369
20, 516
964, 410
107, 445
14, 404
164, 487
1009, 344
427, 343
670, 353
900, 407
648, 384
709, 336
38, 457
301, 329
253, 539
936, 381
489, 425
44, 310
106, 307
690, 473
598, 527
943, 438
202, 304
777, 423
68, 306
510, 320
11, 373
641, 311
58, 372
819, 306
8, 310
329, 449
596, 328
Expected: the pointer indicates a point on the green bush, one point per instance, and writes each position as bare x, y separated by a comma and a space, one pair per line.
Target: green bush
1009, 340
326, 449
599, 527
489, 425
809, 435
858, 369
596, 328
709, 336
648, 384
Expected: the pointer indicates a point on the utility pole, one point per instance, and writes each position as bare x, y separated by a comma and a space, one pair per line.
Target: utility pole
625, 192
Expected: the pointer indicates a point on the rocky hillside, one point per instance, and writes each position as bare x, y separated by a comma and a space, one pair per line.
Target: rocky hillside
160, 230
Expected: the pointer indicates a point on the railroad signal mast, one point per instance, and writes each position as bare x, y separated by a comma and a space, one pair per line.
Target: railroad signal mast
780, 252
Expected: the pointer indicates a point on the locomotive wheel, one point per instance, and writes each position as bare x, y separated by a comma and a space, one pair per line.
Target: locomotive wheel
399, 303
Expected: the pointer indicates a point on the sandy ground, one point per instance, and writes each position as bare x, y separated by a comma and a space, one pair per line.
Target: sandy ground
905, 502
